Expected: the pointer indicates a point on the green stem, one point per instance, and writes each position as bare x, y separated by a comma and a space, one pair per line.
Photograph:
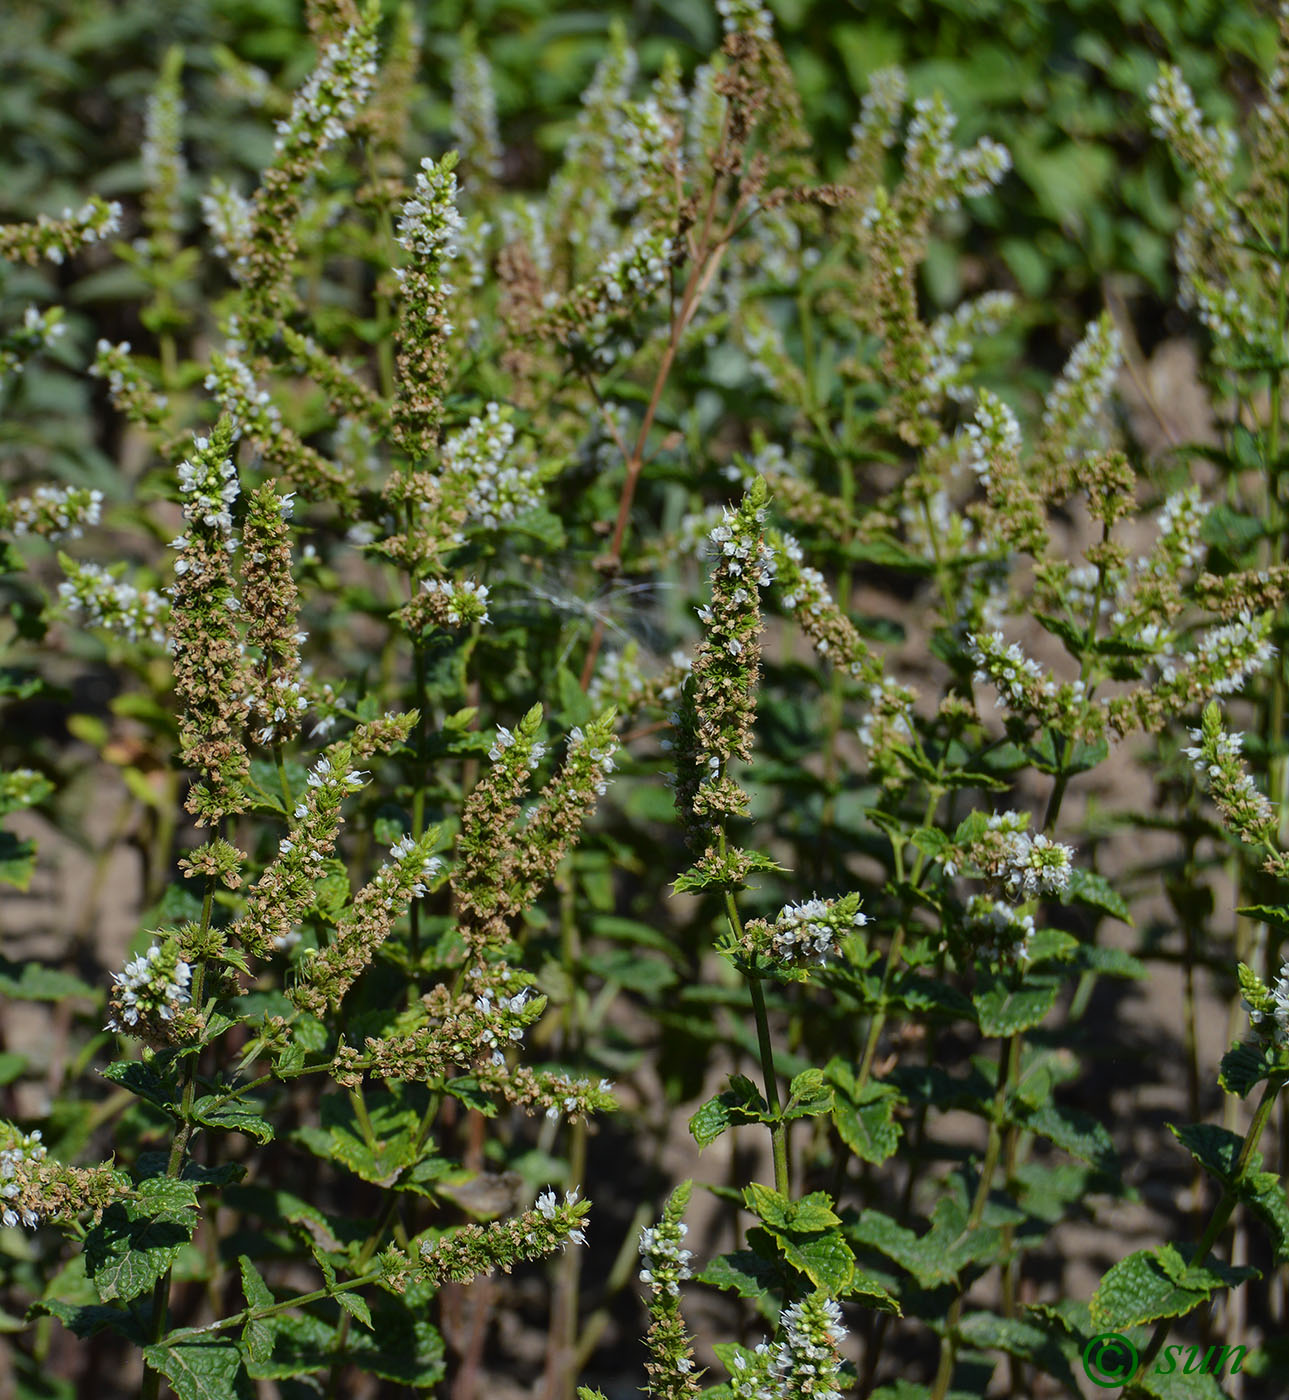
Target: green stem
1222, 1213
178, 1147
1008, 1060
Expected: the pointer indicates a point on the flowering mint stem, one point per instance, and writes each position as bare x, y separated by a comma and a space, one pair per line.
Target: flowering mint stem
1221, 1215
161, 1292
779, 1129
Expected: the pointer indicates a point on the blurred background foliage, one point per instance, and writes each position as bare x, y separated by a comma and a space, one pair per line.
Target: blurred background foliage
1063, 84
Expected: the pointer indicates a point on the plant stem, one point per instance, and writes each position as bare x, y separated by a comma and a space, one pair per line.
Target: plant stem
1222, 1213
1008, 1059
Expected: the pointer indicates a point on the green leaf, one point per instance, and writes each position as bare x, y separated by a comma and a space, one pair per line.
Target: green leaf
144, 1079
395, 1125
1246, 1065
825, 1259
916, 1255
740, 1103
298, 1344
90, 1320
32, 982
1006, 1006
813, 1212
232, 1117
1264, 1193
1087, 887
741, 1272
1154, 1283
865, 1120
1216, 1149
202, 1370
768, 1206
402, 1347
139, 1238
808, 1095
355, 1306
257, 1335
17, 860
1075, 1132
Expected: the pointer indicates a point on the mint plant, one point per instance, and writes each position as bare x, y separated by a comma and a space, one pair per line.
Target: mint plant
600, 656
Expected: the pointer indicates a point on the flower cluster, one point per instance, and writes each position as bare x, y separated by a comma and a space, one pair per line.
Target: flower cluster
229, 217
808, 932
1000, 848
670, 1367
209, 486
277, 696
277, 902
161, 157
57, 239
331, 96
1268, 1008
149, 997
205, 641
101, 598
804, 592
53, 512
665, 1261
474, 111
480, 464
1025, 689
39, 330
1079, 394
18, 1149
129, 388
446, 603
1246, 810
34, 1188
715, 723
806, 1362
429, 224
321, 113
591, 318
1000, 932
458, 1255
327, 976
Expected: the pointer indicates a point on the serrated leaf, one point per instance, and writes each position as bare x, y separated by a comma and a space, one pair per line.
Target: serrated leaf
395, 1125
254, 1289
1216, 1149
1075, 1132
740, 1103
1006, 1007
1154, 1283
1087, 887
808, 1095
864, 1118
922, 1256
767, 1205
355, 1306
1246, 1065
202, 1370
825, 1259
140, 1237
741, 1272
298, 1344
232, 1117
89, 1321
144, 1080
